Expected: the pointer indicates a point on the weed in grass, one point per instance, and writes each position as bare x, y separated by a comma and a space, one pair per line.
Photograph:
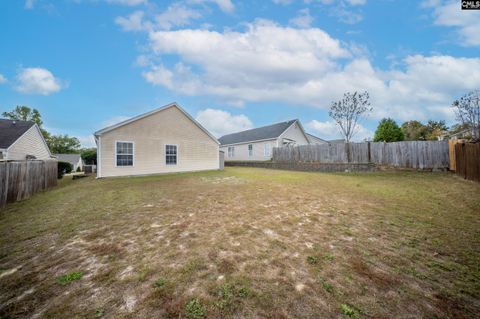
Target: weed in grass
328, 287
65, 279
243, 292
195, 309
159, 283
348, 311
99, 312
312, 260
328, 257
226, 295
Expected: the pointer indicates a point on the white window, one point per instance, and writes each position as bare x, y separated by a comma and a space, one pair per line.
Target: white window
266, 150
124, 153
231, 151
171, 154
250, 150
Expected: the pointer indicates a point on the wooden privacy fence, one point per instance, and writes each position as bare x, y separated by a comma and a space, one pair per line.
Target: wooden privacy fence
408, 154
21, 179
467, 158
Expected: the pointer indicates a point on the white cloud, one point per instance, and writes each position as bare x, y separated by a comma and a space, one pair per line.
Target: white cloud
271, 63
38, 81
345, 15
130, 3
176, 15
134, 22
329, 130
2, 79
87, 140
356, 2
220, 122
303, 19
224, 5
467, 22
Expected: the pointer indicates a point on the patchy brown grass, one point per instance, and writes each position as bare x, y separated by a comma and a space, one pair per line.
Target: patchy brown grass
245, 243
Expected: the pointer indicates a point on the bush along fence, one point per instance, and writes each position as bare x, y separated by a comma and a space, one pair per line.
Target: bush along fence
467, 159
21, 179
429, 155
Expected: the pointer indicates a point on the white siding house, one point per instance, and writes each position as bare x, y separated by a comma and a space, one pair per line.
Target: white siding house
164, 140
20, 140
257, 144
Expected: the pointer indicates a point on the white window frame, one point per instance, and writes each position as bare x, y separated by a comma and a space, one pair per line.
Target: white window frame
165, 153
267, 150
133, 154
232, 153
250, 151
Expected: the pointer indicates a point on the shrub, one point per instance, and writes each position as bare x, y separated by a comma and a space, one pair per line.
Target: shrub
64, 168
78, 169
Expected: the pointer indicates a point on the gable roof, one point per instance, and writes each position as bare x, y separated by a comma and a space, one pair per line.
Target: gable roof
256, 134
69, 158
315, 137
11, 130
141, 116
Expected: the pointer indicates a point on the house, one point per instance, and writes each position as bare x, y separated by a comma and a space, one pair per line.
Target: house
257, 144
315, 140
21, 140
164, 140
74, 159
338, 141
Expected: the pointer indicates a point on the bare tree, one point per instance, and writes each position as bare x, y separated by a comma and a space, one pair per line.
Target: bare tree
467, 110
347, 112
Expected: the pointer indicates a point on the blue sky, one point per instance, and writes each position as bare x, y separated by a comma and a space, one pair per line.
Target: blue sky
233, 64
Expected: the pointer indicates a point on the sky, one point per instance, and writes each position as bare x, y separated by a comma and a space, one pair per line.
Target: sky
235, 65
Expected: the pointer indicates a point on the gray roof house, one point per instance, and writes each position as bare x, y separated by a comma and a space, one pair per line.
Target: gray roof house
20, 140
315, 140
257, 144
74, 159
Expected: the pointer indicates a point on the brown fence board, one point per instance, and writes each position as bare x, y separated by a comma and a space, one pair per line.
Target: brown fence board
407, 154
467, 158
21, 179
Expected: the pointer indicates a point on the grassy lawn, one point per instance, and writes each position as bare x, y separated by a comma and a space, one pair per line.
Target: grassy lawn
245, 243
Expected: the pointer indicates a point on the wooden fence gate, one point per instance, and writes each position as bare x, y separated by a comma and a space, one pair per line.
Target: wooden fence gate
467, 159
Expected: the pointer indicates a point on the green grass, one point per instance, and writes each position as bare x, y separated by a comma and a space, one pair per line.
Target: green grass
68, 278
245, 242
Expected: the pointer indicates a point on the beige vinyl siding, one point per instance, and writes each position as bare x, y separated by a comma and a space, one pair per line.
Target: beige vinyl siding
30, 143
196, 149
241, 151
294, 132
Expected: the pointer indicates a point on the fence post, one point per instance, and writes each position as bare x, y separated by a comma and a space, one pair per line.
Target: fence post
369, 153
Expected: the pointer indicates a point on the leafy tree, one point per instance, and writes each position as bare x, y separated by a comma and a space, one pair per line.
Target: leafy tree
63, 144
467, 110
435, 129
89, 155
388, 131
414, 131
347, 112
24, 113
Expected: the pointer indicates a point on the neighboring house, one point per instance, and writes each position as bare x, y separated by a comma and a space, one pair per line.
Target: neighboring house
315, 140
74, 159
20, 140
339, 141
257, 144
164, 140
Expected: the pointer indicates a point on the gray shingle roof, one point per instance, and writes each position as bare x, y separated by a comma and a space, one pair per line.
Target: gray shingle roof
260, 133
69, 158
11, 130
